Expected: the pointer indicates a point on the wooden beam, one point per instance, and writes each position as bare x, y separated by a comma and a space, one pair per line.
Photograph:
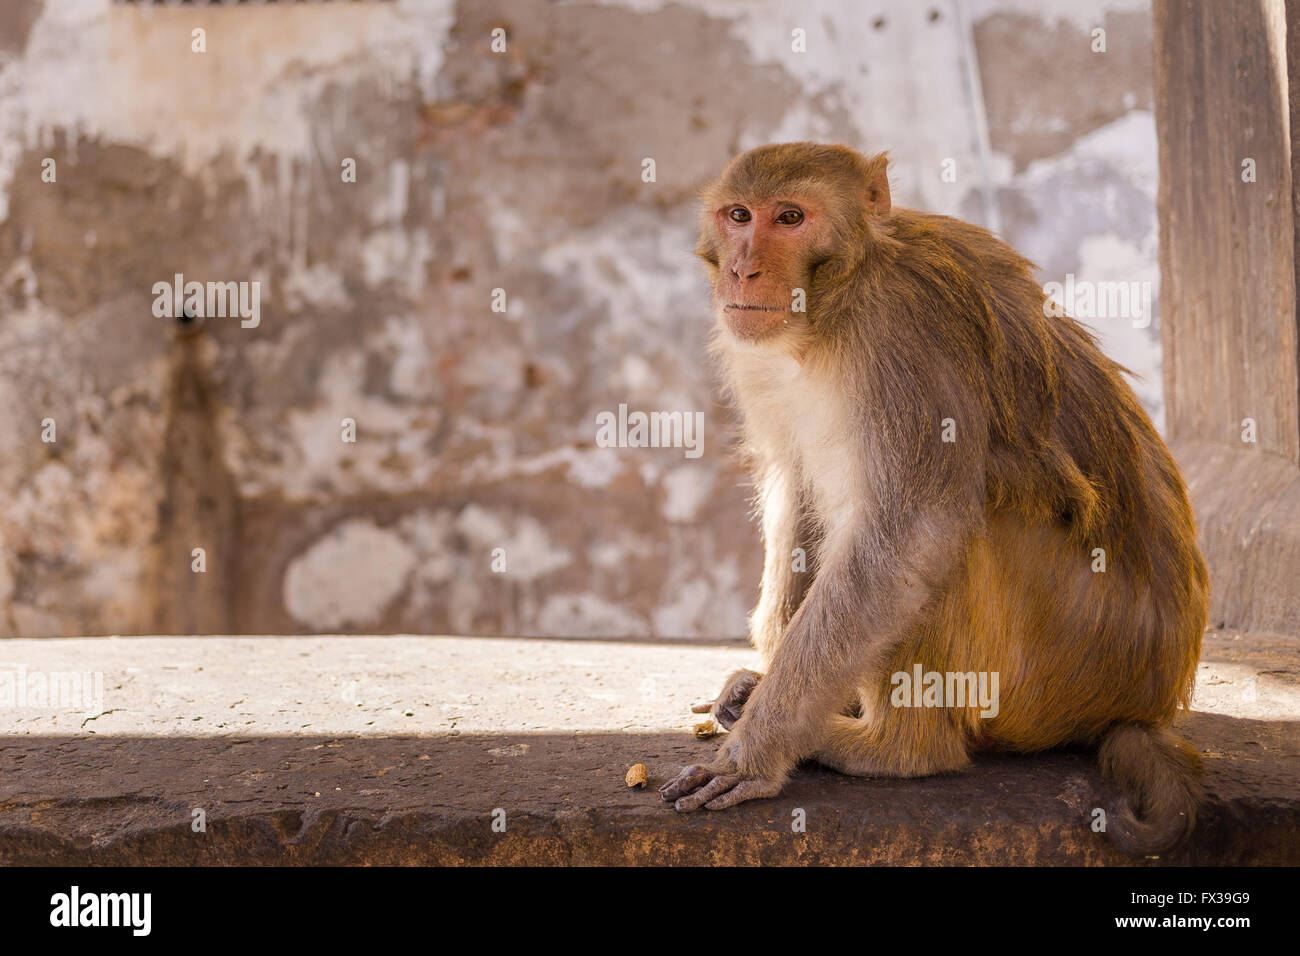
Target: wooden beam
1227, 246
1227, 83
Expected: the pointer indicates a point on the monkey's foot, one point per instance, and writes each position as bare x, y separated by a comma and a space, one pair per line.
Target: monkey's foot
715, 788
729, 705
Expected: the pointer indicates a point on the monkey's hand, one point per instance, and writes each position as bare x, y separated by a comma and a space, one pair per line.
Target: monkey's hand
729, 705
718, 785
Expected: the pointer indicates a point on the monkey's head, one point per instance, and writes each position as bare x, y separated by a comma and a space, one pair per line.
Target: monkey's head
781, 225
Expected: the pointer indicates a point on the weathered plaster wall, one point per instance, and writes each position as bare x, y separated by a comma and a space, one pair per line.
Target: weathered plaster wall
475, 171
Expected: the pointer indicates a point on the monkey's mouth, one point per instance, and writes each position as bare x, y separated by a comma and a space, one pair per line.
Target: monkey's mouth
753, 321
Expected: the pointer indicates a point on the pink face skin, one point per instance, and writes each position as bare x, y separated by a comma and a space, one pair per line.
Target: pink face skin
765, 249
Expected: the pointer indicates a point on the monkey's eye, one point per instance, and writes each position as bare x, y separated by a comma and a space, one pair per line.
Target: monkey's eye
791, 217
740, 214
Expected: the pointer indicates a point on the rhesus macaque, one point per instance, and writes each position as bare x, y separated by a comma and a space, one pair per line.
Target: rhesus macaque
975, 487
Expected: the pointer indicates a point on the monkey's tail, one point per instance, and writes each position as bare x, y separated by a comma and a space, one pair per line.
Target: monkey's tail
1160, 775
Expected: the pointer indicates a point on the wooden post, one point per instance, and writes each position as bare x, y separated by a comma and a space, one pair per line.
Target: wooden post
1227, 86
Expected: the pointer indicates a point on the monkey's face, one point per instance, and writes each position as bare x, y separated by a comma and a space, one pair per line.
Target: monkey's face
761, 256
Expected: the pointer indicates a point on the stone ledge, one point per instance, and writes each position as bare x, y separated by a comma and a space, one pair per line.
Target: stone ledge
396, 750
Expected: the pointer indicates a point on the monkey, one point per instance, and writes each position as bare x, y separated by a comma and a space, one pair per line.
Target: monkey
974, 485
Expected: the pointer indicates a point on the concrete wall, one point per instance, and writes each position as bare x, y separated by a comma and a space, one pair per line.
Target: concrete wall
475, 170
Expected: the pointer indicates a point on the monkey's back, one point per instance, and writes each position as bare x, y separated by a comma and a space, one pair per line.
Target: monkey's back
1077, 479
1069, 440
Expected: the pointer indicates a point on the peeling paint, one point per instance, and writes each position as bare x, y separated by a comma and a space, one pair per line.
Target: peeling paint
475, 430
348, 577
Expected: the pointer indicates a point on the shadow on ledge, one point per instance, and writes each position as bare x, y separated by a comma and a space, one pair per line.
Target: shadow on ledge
431, 800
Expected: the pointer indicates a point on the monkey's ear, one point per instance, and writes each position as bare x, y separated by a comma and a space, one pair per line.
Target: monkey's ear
878, 194
878, 202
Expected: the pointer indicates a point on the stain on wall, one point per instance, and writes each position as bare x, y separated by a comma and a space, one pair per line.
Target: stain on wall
475, 497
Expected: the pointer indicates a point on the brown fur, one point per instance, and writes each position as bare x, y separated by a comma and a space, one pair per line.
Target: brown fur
966, 556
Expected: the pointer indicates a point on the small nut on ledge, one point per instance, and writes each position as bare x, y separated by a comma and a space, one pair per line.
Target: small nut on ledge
707, 729
636, 776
